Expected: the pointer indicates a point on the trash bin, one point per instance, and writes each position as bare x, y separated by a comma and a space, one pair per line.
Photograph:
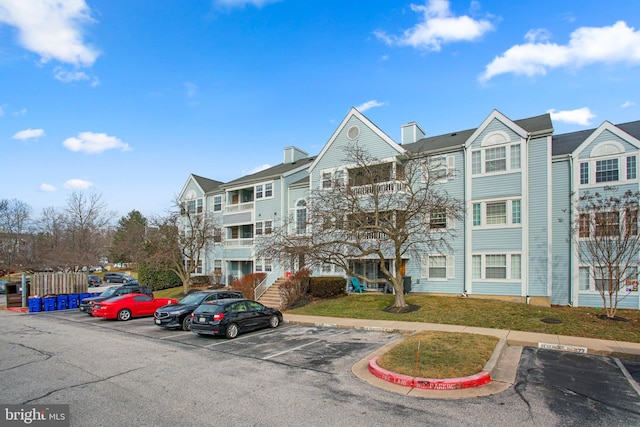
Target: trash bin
406, 284
74, 301
83, 296
62, 302
35, 304
49, 303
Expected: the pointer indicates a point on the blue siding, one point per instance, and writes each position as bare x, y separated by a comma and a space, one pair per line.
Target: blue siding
595, 300
497, 186
497, 240
335, 156
561, 240
539, 205
485, 288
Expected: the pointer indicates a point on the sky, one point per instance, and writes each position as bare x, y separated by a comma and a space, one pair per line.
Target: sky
126, 99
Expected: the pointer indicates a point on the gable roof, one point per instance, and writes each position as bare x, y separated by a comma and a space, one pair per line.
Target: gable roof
567, 143
353, 112
532, 125
273, 172
207, 185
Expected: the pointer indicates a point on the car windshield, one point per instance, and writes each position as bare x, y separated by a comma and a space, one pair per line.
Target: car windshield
208, 309
108, 292
192, 299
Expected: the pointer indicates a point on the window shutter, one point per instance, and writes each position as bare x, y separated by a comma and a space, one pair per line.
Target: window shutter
425, 266
451, 267
451, 221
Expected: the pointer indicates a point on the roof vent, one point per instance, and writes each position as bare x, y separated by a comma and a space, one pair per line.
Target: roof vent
353, 132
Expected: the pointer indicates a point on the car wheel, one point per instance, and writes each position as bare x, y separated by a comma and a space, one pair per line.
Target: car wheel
232, 331
124, 315
274, 321
186, 323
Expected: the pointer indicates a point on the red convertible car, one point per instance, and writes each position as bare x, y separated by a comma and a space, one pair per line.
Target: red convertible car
124, 307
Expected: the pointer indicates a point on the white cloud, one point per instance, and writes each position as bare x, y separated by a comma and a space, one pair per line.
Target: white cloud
21, 112
538, 34
92, 143
2, 110
73, 76
51, 28
369, 104
77, 184
439, 26
618, 43
581, 116
243, 3
47, 188
28, 134
628, 104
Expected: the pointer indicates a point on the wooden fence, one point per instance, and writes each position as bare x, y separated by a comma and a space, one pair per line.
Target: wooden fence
43, 284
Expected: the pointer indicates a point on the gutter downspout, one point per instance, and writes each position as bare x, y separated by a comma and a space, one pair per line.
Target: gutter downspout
525, 181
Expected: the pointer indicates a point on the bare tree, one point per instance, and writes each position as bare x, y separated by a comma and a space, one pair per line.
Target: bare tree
605, 232
87, 219
50, 249
382, 210
181, 239
75, 235
14, 217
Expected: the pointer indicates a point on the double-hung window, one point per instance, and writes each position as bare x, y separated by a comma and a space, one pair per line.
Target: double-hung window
607, 170
499, 267
495, 159
217, 203
438, 267
494, 213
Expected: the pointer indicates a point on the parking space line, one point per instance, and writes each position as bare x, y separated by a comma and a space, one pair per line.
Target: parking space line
173, 336
299, 347
240, 338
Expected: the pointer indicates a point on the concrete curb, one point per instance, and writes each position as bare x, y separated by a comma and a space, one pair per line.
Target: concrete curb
476, 380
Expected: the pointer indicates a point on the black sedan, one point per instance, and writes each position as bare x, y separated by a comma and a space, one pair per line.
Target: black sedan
179, 315
232, 316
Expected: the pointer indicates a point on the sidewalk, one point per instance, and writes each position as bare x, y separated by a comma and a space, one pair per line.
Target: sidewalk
502, 366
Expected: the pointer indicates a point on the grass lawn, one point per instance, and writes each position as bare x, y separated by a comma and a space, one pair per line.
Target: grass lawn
581, 322
438, 355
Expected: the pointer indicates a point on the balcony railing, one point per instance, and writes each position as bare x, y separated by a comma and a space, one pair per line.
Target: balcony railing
238, 243
381, 187
239, 207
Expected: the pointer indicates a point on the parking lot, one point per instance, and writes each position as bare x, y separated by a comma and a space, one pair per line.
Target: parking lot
136, 373
305, 347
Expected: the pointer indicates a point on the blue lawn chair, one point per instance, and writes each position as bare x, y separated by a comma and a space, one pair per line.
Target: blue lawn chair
357, 286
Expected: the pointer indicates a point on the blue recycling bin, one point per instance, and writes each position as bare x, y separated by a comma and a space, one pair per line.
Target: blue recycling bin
62, 302
35, 304
84, 295
74, 301
49, 303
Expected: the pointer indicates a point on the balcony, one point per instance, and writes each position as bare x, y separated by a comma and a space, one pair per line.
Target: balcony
239, 207
238, 243
240, 213
381, 187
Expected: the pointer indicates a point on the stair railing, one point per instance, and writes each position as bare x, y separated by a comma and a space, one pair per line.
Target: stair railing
269, 280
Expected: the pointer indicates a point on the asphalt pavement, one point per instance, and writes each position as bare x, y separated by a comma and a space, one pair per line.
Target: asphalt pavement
502, 367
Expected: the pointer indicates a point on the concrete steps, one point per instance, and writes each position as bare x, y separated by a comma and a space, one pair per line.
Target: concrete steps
271, 297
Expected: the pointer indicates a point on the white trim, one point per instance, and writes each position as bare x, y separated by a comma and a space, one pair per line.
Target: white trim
495, 114
366, 122
606, 125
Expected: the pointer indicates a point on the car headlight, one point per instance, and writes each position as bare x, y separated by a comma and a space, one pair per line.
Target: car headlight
174, 313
